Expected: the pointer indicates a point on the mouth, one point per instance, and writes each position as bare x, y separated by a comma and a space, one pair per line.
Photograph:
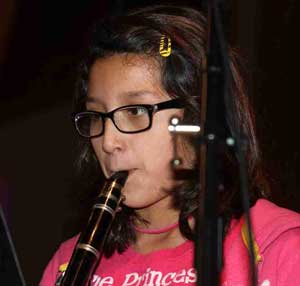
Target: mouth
130, 171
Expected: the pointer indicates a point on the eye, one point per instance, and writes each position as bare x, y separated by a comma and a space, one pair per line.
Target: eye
136, 111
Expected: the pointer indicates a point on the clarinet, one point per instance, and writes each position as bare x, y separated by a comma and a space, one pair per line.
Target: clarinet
89, 248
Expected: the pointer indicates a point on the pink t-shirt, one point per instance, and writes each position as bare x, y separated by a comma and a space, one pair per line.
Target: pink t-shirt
277, 233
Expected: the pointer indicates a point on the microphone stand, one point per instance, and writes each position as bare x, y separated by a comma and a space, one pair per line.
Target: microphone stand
216, 132
209, 226
217, 129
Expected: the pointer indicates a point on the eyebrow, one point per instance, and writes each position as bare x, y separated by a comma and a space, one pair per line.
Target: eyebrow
125, 95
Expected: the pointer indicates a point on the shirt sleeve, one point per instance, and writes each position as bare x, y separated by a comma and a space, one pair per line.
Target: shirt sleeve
281, 261
51, 271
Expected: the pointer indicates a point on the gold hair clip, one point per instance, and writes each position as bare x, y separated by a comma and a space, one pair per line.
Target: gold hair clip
165, 46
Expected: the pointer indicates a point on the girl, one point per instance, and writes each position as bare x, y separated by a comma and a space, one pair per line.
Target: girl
128, 91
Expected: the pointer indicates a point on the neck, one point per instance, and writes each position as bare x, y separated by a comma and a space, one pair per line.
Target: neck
157, 218
164, 229
151, 239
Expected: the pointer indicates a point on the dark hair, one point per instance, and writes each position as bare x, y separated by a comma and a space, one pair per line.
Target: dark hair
139, 32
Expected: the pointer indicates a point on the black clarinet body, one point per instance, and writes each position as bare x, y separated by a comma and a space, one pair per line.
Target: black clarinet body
89, 247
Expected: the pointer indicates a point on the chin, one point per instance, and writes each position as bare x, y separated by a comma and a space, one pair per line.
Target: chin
133, 185
133, 197
137, 196
134, 202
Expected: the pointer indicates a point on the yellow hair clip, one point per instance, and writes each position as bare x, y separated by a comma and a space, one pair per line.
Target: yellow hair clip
165, 46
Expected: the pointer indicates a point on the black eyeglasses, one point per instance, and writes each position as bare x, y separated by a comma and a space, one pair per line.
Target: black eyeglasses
127, 119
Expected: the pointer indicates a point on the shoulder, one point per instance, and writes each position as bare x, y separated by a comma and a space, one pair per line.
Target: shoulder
277, 233
280, 260
58, 262
270, 221
65, 250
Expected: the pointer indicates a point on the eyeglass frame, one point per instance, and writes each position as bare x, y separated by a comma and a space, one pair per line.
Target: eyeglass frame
151, 109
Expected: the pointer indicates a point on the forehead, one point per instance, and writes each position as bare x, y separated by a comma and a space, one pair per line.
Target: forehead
121, 74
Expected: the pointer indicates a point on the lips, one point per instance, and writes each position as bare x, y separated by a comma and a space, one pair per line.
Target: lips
111, 172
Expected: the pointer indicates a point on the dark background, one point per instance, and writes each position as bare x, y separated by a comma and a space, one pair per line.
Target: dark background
40, 43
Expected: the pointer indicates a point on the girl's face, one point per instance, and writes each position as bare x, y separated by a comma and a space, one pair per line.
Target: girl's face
121, 80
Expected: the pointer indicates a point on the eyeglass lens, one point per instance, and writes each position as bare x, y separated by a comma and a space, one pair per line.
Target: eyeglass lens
129, 119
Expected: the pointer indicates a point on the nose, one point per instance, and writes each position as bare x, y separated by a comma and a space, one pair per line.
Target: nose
111, 139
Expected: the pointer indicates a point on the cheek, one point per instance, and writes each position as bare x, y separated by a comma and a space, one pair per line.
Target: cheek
95, 144
95, 148
158, 153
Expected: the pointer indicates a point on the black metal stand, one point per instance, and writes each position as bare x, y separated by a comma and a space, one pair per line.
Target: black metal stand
218, 102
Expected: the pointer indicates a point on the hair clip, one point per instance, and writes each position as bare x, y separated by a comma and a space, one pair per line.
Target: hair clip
165, 46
